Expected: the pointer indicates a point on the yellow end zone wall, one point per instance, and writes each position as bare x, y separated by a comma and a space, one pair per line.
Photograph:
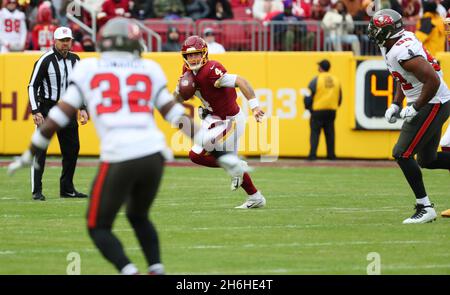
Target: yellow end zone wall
277, 79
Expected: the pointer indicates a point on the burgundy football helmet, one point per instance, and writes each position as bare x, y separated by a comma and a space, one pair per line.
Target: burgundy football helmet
194, 44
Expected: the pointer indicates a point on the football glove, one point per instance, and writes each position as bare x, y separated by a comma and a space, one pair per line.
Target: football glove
203, 112
408, 113
25, 160
391, 113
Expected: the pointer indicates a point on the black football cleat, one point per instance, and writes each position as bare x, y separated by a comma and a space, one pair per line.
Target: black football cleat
73, 194
38, 196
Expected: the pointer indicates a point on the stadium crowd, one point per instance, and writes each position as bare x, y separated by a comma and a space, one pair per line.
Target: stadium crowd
336, 17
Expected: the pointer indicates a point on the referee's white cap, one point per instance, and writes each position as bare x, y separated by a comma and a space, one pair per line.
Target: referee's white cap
62, 33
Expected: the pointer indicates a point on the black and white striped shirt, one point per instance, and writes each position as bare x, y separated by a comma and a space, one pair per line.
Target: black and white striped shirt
50, 77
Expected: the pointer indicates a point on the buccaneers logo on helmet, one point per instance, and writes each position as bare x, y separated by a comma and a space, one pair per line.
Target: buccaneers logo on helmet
195, 44
383, 20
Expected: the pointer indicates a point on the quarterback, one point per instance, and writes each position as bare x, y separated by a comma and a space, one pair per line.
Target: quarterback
216, 89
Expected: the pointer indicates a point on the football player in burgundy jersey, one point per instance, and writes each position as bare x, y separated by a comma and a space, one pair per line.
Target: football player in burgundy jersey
121, 90
217, 90
420, 80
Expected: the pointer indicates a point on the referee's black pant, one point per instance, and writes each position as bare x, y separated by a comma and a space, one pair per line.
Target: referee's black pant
69, 144
322, 120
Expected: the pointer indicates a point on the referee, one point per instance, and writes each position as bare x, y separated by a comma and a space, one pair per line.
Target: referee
48, 82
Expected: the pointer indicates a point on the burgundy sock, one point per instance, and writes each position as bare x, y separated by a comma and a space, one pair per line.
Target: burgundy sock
248, 185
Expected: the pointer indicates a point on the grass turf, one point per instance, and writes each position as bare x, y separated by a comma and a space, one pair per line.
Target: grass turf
318, 220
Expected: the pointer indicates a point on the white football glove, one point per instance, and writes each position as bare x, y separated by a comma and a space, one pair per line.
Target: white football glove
391, 113
233, 165
408, 113
25, 160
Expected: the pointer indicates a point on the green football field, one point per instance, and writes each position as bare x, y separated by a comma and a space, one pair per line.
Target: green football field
318, 220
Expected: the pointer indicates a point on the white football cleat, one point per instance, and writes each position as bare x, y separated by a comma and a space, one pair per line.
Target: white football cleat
423, 214
237, 181
256, 200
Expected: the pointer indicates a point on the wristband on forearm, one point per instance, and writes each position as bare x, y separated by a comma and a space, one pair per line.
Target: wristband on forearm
253, 103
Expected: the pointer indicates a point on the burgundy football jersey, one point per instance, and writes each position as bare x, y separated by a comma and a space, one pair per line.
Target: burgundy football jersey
221, 101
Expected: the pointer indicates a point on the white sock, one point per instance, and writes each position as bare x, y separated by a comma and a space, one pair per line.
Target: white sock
257, 194
129, 269
157, 269
424, 201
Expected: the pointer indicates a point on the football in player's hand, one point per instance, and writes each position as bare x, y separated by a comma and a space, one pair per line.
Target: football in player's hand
186, 86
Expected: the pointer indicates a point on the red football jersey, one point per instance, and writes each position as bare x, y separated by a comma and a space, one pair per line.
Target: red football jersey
43, 37
221, 101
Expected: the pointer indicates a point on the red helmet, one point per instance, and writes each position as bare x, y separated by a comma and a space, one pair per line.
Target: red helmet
194, 44
44, 14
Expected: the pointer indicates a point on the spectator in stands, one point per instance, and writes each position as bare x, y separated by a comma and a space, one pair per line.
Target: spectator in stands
242, 9
411, 9
173, 41
196, 9
87, 44
213, 46
442, 7
430, 29
31, 12
319, 8
391, 4
302, 8
13, 29
42, 34
142, 9
263, 8
289, 34
220, 9
168, 9
113, 8
338, 24
353, 6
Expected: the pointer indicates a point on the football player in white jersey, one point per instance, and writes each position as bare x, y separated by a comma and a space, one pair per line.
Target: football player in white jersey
13, 29
121, 90
419, 79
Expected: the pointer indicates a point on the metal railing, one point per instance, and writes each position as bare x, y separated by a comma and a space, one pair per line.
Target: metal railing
235, 35
186, 27
293, 36
252, 35
92, 29
151, 35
